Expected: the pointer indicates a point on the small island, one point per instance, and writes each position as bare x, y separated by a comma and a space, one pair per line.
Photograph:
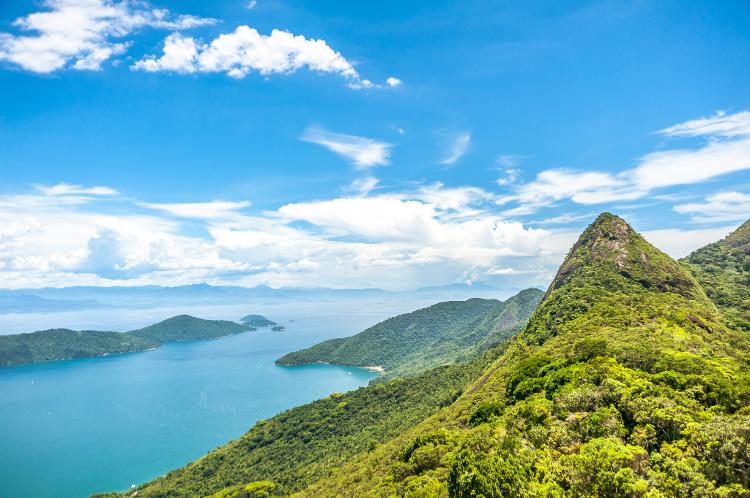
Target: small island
257, 321
278, 328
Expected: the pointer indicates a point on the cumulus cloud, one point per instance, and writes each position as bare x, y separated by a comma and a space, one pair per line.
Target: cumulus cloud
457, 147
727, 150
245, 50
83, 34
362, 152
393, 82
724, 206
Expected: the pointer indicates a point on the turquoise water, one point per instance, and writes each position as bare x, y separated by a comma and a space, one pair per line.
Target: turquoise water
71, 428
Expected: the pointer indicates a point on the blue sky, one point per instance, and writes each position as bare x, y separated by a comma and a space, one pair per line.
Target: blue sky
361, 144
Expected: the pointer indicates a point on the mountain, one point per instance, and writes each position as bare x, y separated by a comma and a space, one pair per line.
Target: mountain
723, 269
64, 344
257, 321
440, 334
625, 382
188, 328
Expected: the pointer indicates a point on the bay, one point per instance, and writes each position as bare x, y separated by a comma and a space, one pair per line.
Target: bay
72, 428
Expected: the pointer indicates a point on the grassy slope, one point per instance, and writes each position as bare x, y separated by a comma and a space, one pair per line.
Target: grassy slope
64, 344
440, 334
723, 269
625, 383
301, 445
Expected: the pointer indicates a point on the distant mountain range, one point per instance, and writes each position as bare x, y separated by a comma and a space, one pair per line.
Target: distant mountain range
88, 297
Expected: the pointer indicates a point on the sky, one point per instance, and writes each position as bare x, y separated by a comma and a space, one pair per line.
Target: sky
361, 144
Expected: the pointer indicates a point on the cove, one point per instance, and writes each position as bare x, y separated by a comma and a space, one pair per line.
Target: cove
72, 428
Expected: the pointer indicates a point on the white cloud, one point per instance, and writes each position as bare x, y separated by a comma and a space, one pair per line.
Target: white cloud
726, 151
201, 210
363, 186
69, 189
679, 243
245, 50
720, 124
721, 207
393, 82
458, 146
251, 4
82, 34
362, 152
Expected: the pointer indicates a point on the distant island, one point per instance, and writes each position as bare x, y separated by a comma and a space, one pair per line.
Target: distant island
278, 328
257, 321
65, 344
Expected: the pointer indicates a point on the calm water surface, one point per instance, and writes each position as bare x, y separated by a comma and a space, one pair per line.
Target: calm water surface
71, 428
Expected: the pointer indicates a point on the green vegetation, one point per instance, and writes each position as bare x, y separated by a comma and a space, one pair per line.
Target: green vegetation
723, 269
257, 321
188, 328
300, 446
444, 333
626, 382
64, 344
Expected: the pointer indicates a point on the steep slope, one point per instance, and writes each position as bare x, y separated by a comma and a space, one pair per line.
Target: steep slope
723, 269
626, 382
188, 328
440, 334
301, 445
64, 344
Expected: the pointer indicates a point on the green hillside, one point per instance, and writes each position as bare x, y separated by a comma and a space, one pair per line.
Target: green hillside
626, 382
188, 328
64, 344
299, 446
440, 334
723, 269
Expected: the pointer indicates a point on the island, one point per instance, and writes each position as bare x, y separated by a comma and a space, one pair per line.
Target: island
257, 321
66, 344
278, 328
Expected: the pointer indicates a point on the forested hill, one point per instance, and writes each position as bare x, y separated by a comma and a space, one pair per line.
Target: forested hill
64, 344
440, 334
626, 382
723, 269
188, 328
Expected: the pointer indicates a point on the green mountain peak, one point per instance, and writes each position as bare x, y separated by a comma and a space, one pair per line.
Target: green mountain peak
610, 250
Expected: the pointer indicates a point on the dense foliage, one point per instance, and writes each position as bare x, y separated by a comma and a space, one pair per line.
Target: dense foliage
723, 269
301, 445
64, 344
441, 334
626, 382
